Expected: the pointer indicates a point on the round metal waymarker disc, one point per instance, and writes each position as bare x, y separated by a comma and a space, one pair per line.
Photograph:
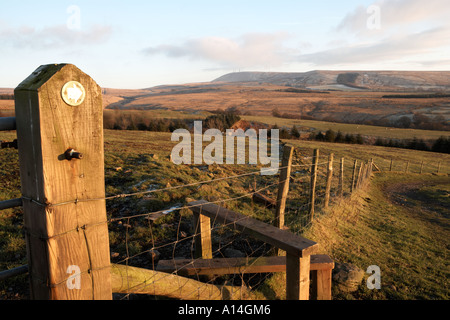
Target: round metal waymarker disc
73, 93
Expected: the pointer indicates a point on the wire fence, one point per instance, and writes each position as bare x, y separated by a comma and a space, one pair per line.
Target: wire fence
227, 243
143, 239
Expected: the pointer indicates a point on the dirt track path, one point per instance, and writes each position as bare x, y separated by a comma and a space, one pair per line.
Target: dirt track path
428, 201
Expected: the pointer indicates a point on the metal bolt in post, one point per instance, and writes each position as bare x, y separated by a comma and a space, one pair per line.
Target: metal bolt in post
73, 154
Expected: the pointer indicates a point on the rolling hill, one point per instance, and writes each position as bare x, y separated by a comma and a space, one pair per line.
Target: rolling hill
341, 80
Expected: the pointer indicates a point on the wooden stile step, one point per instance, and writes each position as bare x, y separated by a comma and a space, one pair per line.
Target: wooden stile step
222, 266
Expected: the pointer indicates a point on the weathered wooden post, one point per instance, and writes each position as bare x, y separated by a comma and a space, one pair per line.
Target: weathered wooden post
329, 178
59, 118
297, 277
355, 164
421, 167
312, 194
407, 167
358, 181
439, 167
392, 162
202, 238
283, 186
341, 179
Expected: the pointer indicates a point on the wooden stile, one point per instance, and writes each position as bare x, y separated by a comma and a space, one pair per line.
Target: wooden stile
67, 235
298, 249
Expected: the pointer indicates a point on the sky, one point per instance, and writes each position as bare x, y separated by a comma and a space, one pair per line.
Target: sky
139, 44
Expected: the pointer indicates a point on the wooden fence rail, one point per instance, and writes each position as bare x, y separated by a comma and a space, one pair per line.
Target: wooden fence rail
7, 124
9, 204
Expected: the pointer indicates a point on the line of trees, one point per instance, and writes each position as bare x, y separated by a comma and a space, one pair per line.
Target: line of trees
339, 137
6, 96
118, 120
441, 145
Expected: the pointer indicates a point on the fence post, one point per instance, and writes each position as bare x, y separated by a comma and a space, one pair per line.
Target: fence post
312, 193
371, 167
297, 277
355, 164
421, 167
390, 167
202, 238
59, 118
283, 187
341, 179
367, 175
439, 167
329, 178
407, 167
358, 181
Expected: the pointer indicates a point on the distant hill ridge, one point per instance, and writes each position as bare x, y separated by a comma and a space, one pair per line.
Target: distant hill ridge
426, 80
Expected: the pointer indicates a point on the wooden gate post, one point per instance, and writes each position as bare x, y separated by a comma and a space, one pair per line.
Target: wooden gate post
59, 116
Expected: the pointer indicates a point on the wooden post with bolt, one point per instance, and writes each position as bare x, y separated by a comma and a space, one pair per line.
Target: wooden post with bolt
59, 109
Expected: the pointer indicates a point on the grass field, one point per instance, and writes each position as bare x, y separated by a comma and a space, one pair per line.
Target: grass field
401, 224
378, 231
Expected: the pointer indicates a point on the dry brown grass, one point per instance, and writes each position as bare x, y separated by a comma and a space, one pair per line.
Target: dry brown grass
261, 99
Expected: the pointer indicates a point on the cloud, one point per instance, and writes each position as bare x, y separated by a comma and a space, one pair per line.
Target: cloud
410, 31
396, 15
393, 48
249, 50
54, 37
